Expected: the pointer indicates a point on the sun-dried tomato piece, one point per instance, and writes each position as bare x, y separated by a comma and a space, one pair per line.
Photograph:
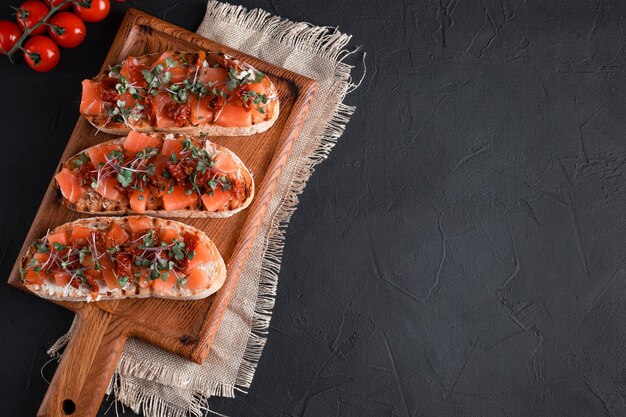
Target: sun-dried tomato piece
240, 92
110, 96
216, 102
191, 243
201, 58
124, 264
136, 238
93, 285
177, 172
156, 191
157, 185
85, 174
104, 241
225, 62
239, 188
178, 112
202, 179
149, 110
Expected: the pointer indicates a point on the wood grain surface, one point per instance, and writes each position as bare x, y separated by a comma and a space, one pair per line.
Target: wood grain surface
186, 328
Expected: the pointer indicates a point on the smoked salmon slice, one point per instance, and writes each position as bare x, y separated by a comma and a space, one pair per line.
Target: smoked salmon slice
172, 146
60, 238
108, 272
198, 278
139, 224
107, 188
137, 142
118, 234
164, 285
202, 255
35, 277
216, 201
216, 76
131, 70
138, 201
168, 235
98, 154
233, 115
163, 104
179, 72
225, 163
61, 278
200, 111
81, 234
91, 101
179, 198
260, 113
69, 185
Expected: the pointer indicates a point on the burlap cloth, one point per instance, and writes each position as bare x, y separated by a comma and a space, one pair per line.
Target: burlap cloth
158, 383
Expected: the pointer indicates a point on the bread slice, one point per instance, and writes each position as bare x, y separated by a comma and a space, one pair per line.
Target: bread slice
96, 106
91, 202
214, 266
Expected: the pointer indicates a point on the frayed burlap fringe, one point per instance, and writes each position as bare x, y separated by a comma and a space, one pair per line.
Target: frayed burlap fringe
322, 42
127, 392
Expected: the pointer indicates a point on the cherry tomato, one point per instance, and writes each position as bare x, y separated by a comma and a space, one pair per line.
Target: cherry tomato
51, 3
99, 10
41, 53
67, 30
29, 13
9, 34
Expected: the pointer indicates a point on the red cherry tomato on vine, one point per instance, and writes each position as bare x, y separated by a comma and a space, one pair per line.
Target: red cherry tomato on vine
99, 10
67, 30
41, 53
9, 34
51, 3
29, 13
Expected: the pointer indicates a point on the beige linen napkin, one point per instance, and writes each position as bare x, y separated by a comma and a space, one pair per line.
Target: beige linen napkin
158, 383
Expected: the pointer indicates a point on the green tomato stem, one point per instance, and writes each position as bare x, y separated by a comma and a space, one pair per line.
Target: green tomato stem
28, 31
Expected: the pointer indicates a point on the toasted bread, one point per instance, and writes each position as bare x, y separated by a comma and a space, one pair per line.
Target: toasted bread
44, 284
92, 202
192, 93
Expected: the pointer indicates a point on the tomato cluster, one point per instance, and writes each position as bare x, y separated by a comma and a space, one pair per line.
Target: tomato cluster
65, 29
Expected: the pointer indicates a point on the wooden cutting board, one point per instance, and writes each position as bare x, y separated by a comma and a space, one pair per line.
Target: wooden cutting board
186, 328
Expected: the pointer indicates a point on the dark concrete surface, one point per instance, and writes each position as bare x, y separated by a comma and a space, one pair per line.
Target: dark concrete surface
461, 252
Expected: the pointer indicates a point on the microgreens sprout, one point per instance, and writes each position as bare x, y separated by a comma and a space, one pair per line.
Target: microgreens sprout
42, 247
124, 171
81, 159
177, 250
217, 181
259, 100
122, 281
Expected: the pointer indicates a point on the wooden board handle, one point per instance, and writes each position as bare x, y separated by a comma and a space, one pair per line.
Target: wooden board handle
86, 367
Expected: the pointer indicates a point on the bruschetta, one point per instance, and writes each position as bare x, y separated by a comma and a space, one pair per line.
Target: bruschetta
107, 258
169, 175
181, 92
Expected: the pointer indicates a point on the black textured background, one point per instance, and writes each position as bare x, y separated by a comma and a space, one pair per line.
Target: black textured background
460, 253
